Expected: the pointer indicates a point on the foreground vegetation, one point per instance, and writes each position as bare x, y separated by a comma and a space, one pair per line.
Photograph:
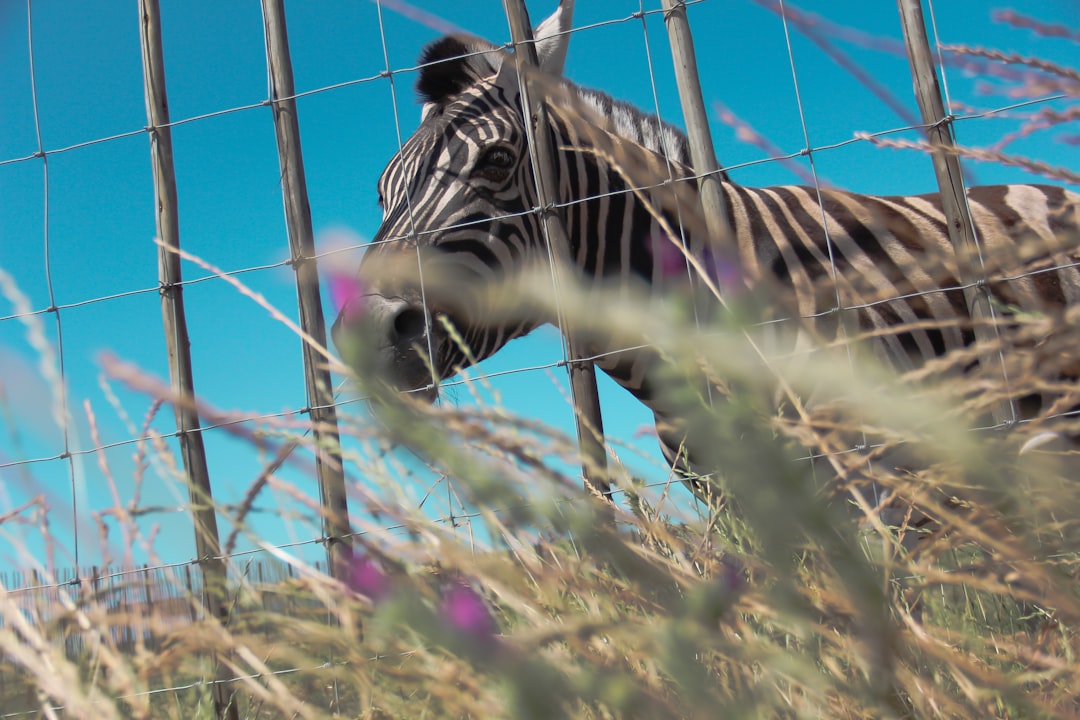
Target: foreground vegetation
931, 572
791, 597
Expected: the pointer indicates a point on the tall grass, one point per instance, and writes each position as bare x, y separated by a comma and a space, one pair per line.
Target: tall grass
806, 589
789, 598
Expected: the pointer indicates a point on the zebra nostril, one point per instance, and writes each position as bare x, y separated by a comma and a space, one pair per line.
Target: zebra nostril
410, 324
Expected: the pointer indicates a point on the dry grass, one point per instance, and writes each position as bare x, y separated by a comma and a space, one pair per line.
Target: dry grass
798, 595
790, 600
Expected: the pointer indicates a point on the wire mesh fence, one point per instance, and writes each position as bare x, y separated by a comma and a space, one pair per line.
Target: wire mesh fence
78, 161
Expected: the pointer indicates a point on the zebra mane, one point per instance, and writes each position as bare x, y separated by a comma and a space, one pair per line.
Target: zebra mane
454, 63
634, 124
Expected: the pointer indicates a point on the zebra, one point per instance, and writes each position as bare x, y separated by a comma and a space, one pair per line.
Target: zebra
460, 194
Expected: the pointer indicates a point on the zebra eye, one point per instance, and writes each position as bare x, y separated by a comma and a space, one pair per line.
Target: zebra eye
495, 163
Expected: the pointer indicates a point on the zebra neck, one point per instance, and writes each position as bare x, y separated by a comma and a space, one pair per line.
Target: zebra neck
615, 208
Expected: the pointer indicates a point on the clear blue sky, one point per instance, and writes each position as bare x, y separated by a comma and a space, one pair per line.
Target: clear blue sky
100, 204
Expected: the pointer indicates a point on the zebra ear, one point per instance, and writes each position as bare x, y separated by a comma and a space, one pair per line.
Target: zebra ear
452, 64
553, 38
456, 62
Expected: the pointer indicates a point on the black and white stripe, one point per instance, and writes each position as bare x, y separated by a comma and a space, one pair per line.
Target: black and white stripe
461, 194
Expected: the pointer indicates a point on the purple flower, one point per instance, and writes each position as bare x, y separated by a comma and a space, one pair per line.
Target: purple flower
709, 602
467, 613
724, 270
645, 431
667, 254
720, 266
367, 577
340, 246
732, 575
347, 294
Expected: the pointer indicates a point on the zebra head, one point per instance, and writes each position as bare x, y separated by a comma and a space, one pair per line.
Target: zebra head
458, 218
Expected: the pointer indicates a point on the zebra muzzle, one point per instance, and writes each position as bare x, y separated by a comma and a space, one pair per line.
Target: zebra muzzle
389, 339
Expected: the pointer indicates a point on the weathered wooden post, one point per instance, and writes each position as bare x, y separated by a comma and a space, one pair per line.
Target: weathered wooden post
590, 424
954, 202
320, 395
702, 153
207, 542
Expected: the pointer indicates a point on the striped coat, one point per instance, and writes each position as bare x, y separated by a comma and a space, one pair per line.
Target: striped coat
460, 197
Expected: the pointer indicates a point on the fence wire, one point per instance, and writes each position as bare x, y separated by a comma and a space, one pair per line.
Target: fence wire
388, 74
43, 154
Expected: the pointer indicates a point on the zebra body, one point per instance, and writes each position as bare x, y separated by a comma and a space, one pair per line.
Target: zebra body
460, 195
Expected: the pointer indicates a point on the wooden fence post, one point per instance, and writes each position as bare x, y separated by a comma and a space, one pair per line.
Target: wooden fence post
702, 153
590, 423
207, 542
320, 393
950, 180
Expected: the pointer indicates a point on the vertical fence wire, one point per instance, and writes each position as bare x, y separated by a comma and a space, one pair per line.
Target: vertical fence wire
193, 451
843, 330
61, 411
703, 156
954, 202
320, 394
586, 398
389, 73
171, 289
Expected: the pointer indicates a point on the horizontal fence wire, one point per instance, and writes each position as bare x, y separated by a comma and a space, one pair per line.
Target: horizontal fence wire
209, 684
382, 75
865, 137
73, 578
40, 583
473, 378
